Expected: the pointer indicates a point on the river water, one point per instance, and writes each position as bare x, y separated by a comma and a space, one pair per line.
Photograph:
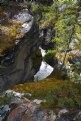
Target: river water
45, 69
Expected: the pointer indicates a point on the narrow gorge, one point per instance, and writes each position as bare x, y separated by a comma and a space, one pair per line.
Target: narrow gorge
40, 60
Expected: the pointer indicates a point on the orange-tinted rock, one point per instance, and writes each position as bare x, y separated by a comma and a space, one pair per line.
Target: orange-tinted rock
31, 111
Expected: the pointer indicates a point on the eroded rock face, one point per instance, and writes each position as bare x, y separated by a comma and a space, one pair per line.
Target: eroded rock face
31, 111
26, 42
19, 108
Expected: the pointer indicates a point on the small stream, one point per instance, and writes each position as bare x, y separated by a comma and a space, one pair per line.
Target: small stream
45, 69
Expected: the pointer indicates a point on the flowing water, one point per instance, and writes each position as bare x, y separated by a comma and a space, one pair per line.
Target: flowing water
45, 69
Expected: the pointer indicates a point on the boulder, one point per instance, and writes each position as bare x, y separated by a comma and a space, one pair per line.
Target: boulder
31, 111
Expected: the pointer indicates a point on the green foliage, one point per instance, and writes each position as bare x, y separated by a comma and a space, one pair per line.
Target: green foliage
75, 77
58, 94
48, 16
63, 16
75, 73
64, 96
49, 57
35, 8
9, 29
4, 100
78, 65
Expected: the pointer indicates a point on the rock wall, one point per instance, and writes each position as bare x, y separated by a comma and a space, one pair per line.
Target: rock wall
21, 69
47, 37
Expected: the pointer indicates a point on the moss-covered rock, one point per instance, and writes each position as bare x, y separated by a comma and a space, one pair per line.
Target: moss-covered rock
9, 29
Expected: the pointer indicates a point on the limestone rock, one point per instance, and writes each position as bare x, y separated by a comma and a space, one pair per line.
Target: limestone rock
31, 111
16, 61
62, 112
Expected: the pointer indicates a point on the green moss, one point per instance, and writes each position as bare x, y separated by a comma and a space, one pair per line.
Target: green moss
57, 93
9, 29
50, 57
8, 37
39, 87
4, 100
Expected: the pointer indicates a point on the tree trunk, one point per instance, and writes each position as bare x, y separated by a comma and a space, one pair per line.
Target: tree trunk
69, 41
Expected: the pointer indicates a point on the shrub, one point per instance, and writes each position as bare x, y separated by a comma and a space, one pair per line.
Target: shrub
35, 8
58, 94
64, 96
75, 73
4, 100
49, 57
75, 77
